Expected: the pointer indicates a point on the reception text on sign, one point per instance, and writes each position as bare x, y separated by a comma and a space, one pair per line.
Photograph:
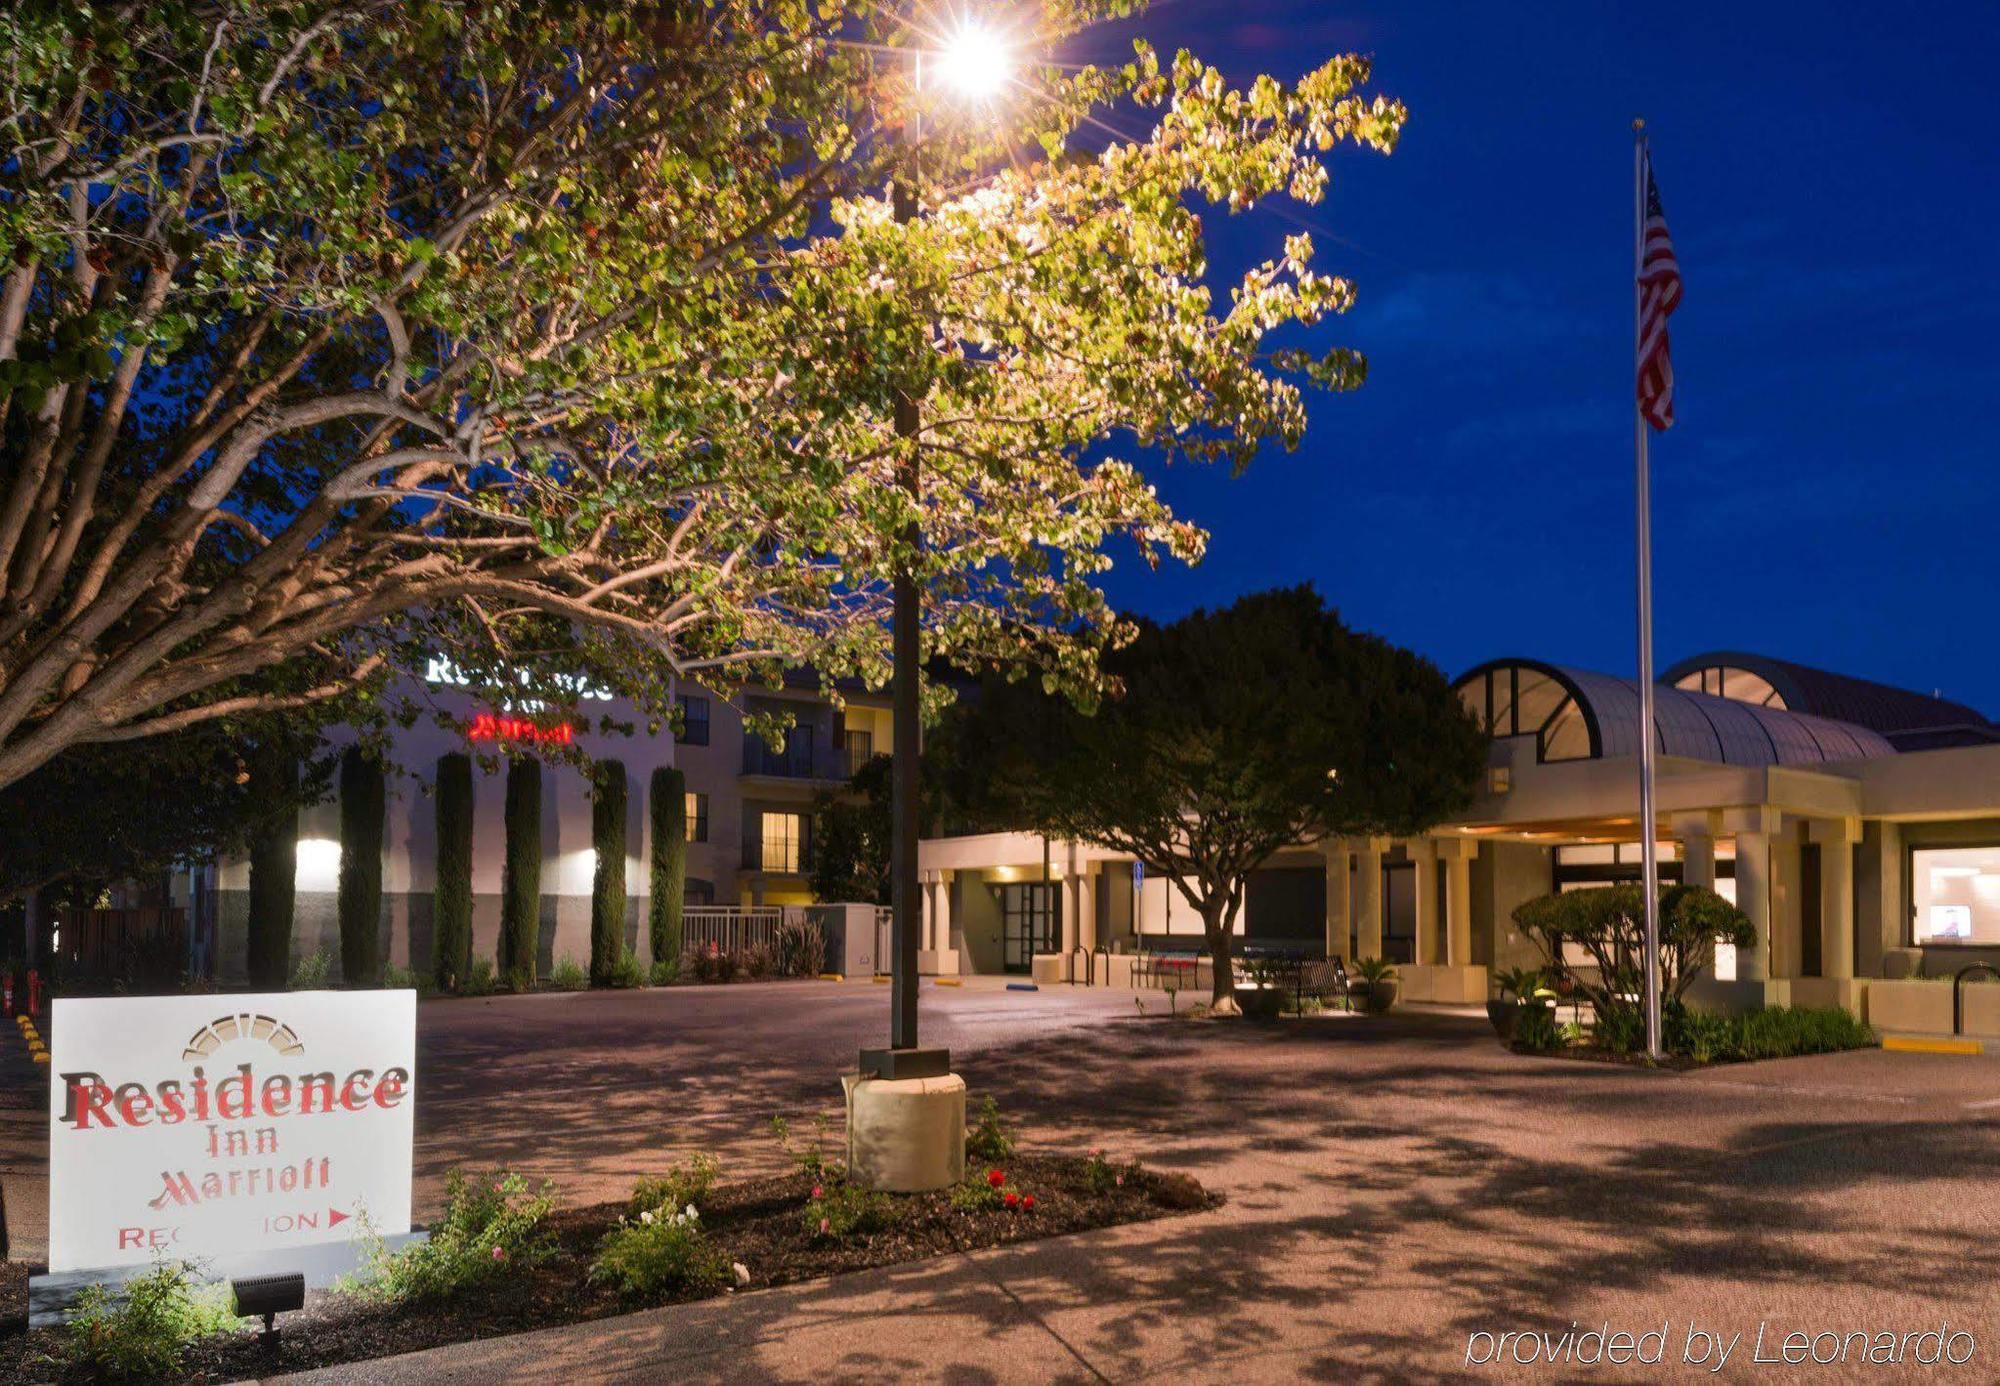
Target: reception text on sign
209, 1127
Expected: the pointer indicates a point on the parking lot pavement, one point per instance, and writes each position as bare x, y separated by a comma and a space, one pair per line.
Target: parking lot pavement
1396, 1187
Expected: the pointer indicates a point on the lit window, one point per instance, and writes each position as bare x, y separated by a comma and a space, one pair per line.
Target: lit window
697, 816
783, 834
1956, 892
1567, 736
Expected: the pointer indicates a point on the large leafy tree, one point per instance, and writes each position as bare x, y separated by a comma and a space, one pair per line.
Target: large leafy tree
1237, 732
330, 324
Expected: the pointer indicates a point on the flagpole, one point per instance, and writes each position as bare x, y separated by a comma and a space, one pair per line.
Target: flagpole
1648, 818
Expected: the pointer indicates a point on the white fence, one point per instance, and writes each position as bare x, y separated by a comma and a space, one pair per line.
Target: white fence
729, 928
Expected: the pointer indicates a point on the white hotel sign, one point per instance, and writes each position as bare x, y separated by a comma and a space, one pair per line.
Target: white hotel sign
208, 1128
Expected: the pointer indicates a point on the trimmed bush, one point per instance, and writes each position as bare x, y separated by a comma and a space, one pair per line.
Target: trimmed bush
568, 975
274, 871
521, 876
491, 1225
451, 902
664, 1252
607, 890
363, 791
669, 871
144, 1331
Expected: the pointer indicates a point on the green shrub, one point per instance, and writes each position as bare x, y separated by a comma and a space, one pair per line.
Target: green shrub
490, 1225
1536, 1031
666, 972
310, 972
479, 979
660, 1253
521, 875
1622, 1031
568, 975
607, 888
1102, 1176
809, 1159
1782, 1031
668, 877
1703, 1037
685, 1185
989, 1140
627, 974
838, 1210
396, 978
274, 870
801, 948
161, 1314
363, 809
451, 899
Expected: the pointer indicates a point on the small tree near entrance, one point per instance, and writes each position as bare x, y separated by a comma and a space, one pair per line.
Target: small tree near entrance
1238, 732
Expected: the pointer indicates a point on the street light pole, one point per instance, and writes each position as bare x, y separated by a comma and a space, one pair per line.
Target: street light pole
904, 1058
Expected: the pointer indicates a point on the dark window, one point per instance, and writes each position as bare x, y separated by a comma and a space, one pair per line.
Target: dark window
694, 719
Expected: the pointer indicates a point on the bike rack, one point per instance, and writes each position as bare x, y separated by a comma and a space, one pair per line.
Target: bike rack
1958, 992
1104, 953
1089, 967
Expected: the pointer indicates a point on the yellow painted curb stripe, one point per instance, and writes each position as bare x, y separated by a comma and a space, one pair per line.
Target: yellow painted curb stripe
833, 976
947, 982
1933, 1046
883, 977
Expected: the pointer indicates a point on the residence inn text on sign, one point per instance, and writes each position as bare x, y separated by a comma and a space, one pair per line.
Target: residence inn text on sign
210, 1127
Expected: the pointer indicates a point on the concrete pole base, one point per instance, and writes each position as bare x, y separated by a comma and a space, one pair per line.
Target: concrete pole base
905, 1135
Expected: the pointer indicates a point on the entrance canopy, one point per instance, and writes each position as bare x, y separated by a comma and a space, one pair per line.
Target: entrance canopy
1575, 714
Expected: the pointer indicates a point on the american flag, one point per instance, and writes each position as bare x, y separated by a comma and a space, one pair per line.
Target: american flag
1659, 295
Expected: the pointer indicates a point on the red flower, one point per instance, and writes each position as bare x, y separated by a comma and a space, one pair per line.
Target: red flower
1028, 1203
818, 1191
1013, 1199
995, 1178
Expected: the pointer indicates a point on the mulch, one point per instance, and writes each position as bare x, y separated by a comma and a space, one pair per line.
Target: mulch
759, 1224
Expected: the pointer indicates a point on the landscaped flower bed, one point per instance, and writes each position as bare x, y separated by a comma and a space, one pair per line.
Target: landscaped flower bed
504, 1265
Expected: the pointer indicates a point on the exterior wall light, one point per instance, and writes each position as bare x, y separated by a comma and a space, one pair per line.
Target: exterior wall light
1499, 779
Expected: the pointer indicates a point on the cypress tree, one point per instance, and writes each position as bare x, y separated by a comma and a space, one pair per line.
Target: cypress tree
669, 863
274, 867
451, 907
607, 893
362, 809
521, 875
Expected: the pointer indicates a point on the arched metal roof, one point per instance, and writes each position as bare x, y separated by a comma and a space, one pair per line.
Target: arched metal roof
1697, 726
1910, 720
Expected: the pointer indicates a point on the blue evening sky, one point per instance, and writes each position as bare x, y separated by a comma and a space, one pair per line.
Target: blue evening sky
1829, 494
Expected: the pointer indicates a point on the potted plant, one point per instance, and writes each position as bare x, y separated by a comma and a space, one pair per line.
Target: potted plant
1377, 982
1517, 986
1257, 992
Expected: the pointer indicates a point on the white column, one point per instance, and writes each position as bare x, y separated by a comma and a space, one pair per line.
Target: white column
1458, 853
1697, 838
1086, 907
941, 920
1785, 901
1836, 838
927, 896
1423, 858
1069, 890
1339, 922
1368, 899
1886, 930
1753, 887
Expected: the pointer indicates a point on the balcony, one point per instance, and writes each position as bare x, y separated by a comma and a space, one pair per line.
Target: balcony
794, 762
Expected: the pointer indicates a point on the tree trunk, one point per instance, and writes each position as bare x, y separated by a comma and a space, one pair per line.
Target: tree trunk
1216, 919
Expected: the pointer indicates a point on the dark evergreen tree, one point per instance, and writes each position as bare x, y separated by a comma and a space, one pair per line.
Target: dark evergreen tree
363, 806
451, 902
669, 868
607, 891
521, 875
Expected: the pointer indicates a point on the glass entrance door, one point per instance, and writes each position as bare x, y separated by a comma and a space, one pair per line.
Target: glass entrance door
1028, 922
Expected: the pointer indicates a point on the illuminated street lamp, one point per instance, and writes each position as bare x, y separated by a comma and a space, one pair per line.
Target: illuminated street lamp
973, 63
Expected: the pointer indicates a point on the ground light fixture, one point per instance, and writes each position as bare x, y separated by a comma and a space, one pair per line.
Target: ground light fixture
266, 1297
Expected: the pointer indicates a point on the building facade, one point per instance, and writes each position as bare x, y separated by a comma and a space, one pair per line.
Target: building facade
1858, 826
748, 809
